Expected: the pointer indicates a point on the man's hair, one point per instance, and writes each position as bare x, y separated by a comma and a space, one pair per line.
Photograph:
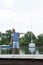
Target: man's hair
13, 29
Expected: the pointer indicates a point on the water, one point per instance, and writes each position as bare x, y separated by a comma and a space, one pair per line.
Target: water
23, 50
26, 50
37, 51
32, 47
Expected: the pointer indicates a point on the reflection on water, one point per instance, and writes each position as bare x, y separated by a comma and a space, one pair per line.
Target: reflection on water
32, 48
37, 51
27, 51
23, 50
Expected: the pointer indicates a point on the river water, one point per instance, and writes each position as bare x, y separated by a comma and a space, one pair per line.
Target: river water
23, 50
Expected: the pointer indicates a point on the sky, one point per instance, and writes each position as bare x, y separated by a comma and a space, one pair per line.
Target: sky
23, 15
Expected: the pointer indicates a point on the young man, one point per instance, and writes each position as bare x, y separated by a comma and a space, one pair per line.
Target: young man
15, 40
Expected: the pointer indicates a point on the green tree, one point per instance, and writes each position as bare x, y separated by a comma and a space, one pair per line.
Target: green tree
26, 39
39, 39
5, 37
8, 32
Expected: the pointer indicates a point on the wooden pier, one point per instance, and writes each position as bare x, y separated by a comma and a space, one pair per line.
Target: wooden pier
21, 59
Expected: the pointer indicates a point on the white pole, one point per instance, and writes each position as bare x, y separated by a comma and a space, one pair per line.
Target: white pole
31, 28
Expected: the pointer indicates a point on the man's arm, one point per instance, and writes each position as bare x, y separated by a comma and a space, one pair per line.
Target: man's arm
11, 39
21, 33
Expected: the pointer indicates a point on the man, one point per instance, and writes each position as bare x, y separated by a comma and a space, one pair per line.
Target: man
15, 41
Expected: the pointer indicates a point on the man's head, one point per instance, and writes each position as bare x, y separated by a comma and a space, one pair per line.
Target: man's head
13, 30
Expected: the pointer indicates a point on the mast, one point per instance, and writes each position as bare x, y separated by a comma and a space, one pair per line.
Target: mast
31, 29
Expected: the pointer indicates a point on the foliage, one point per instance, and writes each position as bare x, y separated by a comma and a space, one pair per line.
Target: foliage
27, 38
5, 37
39, 39
24, 40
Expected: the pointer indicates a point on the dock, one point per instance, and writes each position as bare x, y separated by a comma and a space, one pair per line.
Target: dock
23, 56
13, 59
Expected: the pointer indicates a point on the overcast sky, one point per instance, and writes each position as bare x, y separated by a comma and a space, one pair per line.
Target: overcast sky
21, 15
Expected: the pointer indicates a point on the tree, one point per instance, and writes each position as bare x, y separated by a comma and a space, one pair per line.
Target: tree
5, 37
8, 32
26, 39
39, 39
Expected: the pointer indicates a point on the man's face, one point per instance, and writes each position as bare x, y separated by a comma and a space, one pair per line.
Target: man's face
13, 30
